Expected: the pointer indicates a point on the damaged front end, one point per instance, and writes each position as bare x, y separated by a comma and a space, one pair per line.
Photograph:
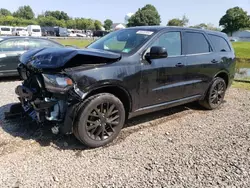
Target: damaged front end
48, 97
48, 93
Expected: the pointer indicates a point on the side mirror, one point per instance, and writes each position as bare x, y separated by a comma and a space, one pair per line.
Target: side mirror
156, 52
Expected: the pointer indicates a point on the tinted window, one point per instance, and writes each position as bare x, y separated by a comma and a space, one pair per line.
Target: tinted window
36, 43
13, 45
220, 43
5, 29
36, 30
171, 41
196, 43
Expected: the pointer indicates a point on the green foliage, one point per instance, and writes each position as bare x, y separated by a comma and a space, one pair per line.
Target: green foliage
71, 23
234, 19
98, 25
12, 21
24, 12
85, 24
5, 12
178, 22
148, 15
59, 15
108, 24
206, 26
51, 21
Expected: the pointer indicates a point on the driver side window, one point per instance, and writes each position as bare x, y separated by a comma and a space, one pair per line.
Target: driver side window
171, 41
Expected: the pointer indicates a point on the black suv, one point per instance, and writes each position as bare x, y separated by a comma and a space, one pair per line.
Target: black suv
91, 92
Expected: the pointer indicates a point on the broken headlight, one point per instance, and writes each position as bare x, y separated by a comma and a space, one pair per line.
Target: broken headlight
57, 83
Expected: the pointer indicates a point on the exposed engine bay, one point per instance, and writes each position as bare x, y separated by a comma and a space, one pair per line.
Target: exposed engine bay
48, 98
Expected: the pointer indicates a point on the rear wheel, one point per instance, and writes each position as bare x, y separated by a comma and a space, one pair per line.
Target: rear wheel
215, 94
100, 120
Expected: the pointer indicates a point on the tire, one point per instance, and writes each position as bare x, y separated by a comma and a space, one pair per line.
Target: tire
215, 94
99, 120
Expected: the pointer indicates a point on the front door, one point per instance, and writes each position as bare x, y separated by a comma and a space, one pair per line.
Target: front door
163, 79
10, 50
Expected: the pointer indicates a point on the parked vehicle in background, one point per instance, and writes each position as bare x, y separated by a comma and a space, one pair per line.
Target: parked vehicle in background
34, 30
71, 33
5, 30
99, 33
48, 31
12, 47
61, 31
19, 31
129, 72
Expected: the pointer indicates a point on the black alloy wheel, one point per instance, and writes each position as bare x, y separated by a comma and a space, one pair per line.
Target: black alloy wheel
215, 94
100, 120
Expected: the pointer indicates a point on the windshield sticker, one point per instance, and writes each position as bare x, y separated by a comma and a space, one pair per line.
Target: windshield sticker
144, 32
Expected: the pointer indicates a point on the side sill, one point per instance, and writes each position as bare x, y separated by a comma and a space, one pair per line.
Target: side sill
161, 106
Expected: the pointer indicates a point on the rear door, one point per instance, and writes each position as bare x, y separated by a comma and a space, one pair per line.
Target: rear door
10, 50
201, 62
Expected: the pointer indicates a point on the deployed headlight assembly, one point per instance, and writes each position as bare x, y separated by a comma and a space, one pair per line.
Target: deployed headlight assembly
57, 83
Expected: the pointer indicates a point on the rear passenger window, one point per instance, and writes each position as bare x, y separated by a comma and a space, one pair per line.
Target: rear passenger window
196, 43
220, 43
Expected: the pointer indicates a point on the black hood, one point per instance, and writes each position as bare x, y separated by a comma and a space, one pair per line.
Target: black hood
54, 58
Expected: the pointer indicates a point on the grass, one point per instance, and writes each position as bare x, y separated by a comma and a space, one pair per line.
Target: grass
242, 49
75, 42
241, 85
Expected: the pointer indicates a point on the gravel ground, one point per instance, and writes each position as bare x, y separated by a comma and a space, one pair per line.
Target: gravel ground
179, 147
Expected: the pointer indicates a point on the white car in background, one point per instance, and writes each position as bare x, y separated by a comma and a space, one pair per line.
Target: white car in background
5, 30
20, 31
34, 30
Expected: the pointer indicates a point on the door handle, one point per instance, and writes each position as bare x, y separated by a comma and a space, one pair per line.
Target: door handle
214, 61
179, 65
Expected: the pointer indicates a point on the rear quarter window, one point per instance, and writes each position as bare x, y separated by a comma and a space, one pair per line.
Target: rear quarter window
220, 44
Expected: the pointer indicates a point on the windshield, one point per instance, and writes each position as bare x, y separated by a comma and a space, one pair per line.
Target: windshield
123, 41
36, 30
19, 29
5, 29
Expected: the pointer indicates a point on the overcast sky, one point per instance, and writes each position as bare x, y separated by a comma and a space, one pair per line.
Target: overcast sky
198, 11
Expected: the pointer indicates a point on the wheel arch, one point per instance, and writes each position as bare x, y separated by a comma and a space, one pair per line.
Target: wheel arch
118, 91
224, 75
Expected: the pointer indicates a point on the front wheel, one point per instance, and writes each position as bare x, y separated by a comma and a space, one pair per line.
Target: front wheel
215, 94
100, 120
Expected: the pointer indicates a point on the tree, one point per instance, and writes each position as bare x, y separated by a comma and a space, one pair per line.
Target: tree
59, 15
206, 26
98, 25
178, 22
108, 24
148, 15
71, 23
24, 12
234, 19
4, 12
51, 21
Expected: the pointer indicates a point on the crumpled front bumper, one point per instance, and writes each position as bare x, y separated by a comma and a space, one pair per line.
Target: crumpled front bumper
35, 108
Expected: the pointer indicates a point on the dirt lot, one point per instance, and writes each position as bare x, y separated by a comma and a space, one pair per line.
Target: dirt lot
179, 147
